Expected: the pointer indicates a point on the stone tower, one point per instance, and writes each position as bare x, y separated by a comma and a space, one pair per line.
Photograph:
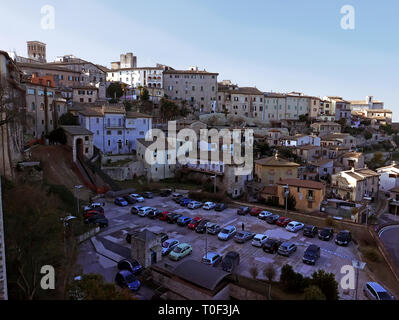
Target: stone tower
37, 51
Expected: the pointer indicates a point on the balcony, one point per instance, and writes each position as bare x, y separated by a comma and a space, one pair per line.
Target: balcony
114, 126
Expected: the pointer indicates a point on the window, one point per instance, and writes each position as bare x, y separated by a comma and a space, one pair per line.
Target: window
86, 138
31, 91
33, 106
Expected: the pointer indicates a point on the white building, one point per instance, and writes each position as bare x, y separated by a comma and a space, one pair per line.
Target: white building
300, 140
389, 176
151, 77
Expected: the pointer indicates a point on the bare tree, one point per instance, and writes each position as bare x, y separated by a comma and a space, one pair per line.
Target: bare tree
269, 272
254, 272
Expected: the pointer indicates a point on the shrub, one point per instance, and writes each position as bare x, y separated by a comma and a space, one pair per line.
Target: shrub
371, 254
291, 280
313, 293
330, 222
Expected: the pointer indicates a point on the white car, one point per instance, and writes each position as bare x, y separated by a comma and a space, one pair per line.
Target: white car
137, 197
259, 240
144, 211
93, 205
209, 205
168, 246
264, 214
294, 226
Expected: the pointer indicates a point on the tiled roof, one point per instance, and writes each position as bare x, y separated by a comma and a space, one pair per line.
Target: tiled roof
302, 183
276, 162
76, 130
352, 155
138, 115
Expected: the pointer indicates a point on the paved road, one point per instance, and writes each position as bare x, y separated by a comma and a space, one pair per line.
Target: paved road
390, 238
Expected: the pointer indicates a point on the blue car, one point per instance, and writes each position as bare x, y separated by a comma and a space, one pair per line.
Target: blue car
184, 221
184, 202
120, 202
130, 265
126, 279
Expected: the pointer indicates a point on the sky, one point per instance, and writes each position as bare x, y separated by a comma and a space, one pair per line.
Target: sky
279, 46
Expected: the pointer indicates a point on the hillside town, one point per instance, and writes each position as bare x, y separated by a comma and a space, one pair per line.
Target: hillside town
323, 167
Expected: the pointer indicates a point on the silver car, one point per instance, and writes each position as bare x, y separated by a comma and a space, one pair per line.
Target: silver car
287, 248
375, 291
212, 259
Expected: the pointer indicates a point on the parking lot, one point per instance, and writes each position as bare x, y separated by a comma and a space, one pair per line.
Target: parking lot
121, 221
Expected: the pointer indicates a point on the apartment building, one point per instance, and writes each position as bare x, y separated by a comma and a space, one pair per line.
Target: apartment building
279, 106
324, 128
85, 94
197, 87
340, 108
115, 130
356, 184
44, 106
338, 139
240, 101
151, 77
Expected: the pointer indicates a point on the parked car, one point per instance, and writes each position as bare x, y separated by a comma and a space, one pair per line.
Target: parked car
231, 261
120, 202
138, 197
209, 205
177, 197
311, 255
183, 221
212, 259
172, 217
343, 238
243, 211
271, 245
294, 226
283, 221
194, 223
148, 195
310, 231
264, 214
126, 279
194, 205
220, 207
168, 245
154, 214
94, 205
135, 209
255, 212
130, 199
180, 251
144, 211
163, 236
227, 233
375, 291
184, 202
97, 220
272, 219
326, 234
163, 216
243, 236
93, 212
259, 240
131, 265
165, 193
213, 228
94, 209
202, 226
287, 248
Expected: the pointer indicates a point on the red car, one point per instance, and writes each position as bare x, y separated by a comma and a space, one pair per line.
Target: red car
283, 221
255, 211
194, 223
163, 215
93, 212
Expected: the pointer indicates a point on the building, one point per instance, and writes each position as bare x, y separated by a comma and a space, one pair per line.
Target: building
356, 184
240, 101
369, 103
269, 171
85, 94
80, 140
338, 139
324, 167
12, 115
197, 87
308, 153
146, 247
326, 111
389, 177
308, 194
342, 108
383, 116
127, 61
115, 130
394, 201
351, 160
323, 128
300, 140
37, 51
44, 106
150, 77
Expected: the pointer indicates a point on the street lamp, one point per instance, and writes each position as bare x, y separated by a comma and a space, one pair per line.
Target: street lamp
77, 188
358, 265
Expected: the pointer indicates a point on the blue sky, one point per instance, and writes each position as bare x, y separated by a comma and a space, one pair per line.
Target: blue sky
279, 46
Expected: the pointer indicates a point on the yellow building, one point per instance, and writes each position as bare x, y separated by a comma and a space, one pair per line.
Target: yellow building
308, 194
270, 171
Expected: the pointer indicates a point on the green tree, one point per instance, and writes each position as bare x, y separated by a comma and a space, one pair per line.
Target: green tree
115, 91
367, 135
93, 287
34, 237
377, 161
169, 110
291, 280
313, 293
68, 119
327, 284
57, 136
144, 95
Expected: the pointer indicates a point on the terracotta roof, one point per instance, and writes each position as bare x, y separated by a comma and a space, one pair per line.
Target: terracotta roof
241, 90
45, 67
302, 183
131, 114
352, 155
276, 162
76, 130
322, 162
92, 112
272, 190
